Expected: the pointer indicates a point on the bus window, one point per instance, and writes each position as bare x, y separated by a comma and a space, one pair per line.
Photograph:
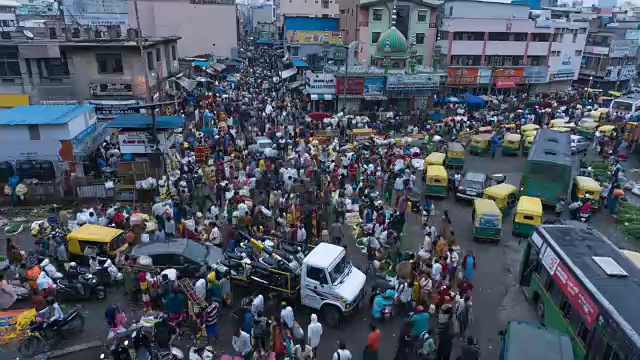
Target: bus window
565, 308
621, 105
579, 327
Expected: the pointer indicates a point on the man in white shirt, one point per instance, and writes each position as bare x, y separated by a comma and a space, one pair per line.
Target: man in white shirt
342, 353
241, 342
201, 288
452, 264
436, 271
301, 235
286, 316
257, 305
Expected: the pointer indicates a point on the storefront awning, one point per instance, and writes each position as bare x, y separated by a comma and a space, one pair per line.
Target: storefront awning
200, 63
295, 84
287, 73
374, 97
299, 63
321, 97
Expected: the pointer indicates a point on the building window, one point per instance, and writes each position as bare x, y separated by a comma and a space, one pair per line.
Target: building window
109, 63
158, 54
295, 50
174, 53
53, 33
150, 64
554, 53
578, 52
419, 38
377, 14
34, 132
9, 63
375, 36
575, 38
54, 68
325, 4
422, 15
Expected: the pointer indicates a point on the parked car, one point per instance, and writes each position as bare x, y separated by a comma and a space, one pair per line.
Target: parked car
184, 255
473, 184
265, 146
578, 144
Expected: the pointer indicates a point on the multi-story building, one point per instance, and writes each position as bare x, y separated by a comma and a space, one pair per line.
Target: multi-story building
309, 8
567, 48
489, 46
610, 54
416, 21
313, 39
349, 20
186, 19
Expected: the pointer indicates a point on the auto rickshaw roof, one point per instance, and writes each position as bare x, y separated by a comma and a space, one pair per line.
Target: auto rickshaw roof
513, 137
95, 233
606, 128
485, 137
485, 128
486, 206
529, 205
530, 133
530, 127
436, 170
362, 131
588, 183
500, 190
455, 146
589, 125
436, 156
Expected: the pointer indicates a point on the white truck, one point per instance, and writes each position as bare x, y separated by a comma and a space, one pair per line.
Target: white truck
329, 282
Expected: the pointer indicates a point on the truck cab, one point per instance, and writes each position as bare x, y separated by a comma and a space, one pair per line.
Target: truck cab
330, 283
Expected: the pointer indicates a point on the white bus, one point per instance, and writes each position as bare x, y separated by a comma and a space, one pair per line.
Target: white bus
625, 106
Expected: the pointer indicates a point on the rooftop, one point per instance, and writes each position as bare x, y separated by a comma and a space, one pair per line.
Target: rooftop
135, 121
42, 114
323, 255
119, 42
550, 145
618, 295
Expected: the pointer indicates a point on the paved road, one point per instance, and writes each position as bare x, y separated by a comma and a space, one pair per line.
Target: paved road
497, 298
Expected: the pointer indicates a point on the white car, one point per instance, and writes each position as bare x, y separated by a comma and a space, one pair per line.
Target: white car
578, 144
265, 146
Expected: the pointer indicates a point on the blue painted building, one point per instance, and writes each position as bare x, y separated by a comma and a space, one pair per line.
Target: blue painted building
304, 37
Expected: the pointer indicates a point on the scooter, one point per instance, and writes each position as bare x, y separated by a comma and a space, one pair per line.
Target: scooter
84, 289
584, 216
387, 312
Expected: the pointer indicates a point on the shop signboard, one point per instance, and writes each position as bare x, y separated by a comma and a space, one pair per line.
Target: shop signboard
484, 75
508, 77
312, 37
319, 84
112, 89
462, 76
562, 74
413, 83
355, 86
612, 73
83, 135
90, 12
627, 72
373, 86
139, 142
632, 35
110, 109
535, 74
620, 48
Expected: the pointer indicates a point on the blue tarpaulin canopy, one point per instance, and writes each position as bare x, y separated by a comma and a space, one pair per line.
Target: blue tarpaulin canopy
299, 63
472, 99
264, 42
200, 63
135, 121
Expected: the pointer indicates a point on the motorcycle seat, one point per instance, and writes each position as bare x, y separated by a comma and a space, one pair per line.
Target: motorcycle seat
288, 248
268, 261
63, 283
233, 255
259, 265
230, 263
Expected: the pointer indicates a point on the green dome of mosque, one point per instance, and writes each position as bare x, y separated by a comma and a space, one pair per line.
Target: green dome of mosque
397, 42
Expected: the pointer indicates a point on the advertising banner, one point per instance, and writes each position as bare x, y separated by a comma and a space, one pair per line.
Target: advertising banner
355, 86
508, 77
620, 48
139, 142
319, 84
311, 37
89, 12
462, 76
562, 74
111, 109
413, 83
506, 83
373, 86
627, 72
110, 89
535, 74
484, 75
632, 35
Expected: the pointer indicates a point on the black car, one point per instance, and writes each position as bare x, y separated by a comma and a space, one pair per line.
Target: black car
184, 255
472, 184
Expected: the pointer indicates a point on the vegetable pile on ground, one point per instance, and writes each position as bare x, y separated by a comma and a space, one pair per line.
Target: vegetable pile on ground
629, 220
14, 328
600, 170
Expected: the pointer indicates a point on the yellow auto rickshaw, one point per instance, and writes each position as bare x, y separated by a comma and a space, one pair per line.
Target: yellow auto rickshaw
511, 144
530, 127
480, 143
606, 130
600, 113
485, 130
435, 158
557, 123
587, 130
561, 129
92, 239
455, 155
437, 181
487, 220
583, 186
586, 120
504, 195
528, 215
528, 142
360, 134
509, 127
530, 133
629, 129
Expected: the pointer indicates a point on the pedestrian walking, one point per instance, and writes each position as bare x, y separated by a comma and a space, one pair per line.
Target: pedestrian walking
342, 353
314, 333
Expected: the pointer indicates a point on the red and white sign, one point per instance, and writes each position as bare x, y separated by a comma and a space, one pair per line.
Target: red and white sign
506, 83
577, 295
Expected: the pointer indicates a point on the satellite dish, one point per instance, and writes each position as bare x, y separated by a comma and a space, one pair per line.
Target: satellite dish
28, 34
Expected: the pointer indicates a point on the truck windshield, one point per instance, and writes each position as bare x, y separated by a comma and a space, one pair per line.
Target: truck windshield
338, 270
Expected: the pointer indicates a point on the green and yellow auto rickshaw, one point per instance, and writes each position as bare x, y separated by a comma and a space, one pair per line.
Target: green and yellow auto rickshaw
485, 130
435, 158
606, 130
504, 195
528, 215
528, 142
530, 133
437, 181
530, 127
583, 186
561, 129
480, 143
487, 220
455, 155
587, 130
511, 144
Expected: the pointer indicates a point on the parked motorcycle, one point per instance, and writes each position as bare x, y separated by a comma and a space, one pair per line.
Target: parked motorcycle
119, 348
84, 289
41, 335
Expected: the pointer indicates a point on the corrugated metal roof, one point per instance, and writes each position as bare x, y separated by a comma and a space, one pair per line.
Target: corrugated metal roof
306, 23
42, 114
135, 121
